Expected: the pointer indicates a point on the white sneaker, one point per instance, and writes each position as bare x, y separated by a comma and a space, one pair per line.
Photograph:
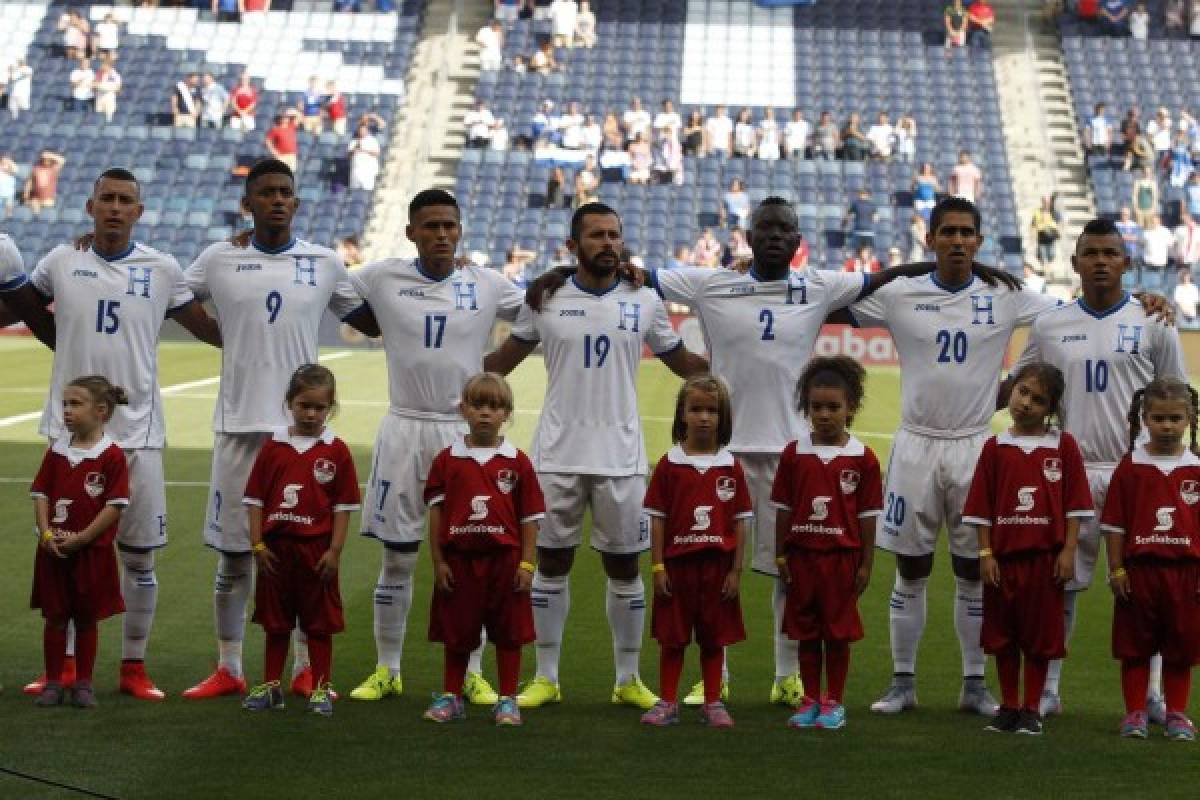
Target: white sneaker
1050, 705
899, 697
976, 698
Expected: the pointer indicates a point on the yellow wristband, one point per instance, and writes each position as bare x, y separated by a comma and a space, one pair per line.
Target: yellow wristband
528, 567
48, 536
658, 568
781, 560
1119, 572
985, 552
259, 547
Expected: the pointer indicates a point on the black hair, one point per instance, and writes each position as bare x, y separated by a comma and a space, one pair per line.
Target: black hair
1052, 382
1098, 227
118, 174
832, 372
589, 209
953, 204
269, 166
1164, 389
431, 197
775, 201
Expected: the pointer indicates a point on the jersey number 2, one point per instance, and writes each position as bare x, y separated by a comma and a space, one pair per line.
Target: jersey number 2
767, 318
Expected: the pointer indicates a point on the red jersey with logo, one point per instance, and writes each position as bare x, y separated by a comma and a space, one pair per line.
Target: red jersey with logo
485, 494
300, 482
78, 484
825, 491
1025, 488
701, 498
1155, 502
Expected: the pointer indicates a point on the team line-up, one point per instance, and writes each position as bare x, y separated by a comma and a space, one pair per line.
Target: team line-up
762, 471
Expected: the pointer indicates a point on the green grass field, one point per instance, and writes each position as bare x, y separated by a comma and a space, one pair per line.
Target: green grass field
582, 748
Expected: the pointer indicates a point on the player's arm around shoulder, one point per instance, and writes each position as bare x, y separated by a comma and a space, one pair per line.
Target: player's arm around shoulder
21, 298
666, 344
522, 341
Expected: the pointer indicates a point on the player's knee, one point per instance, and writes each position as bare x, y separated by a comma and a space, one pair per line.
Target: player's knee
555, 562
914, 568
620, 567
965, 568
397, 569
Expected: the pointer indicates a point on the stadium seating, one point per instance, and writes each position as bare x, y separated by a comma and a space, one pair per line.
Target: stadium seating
853, 55
191, 193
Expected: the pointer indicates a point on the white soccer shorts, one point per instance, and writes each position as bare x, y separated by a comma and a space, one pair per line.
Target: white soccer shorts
927, 483
619, 526
1087, 553
143, 523
760, 469
225, 526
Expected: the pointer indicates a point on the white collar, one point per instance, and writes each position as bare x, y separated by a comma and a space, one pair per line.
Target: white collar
702, 462
75, 455
827, 453
301, 444
460, 449
1165, 464
1030, 443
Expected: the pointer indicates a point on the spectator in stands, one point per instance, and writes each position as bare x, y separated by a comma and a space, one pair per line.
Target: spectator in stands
925, 191
507, 11
349, 250
75, 30
364, 151
614, 136
106, 84
881, 137
1114, 17
542, 124
563, 16
1097, 136
515, 261
490, 39
693, 135
737, 250
1157, 243
1186, 297
981, 18
668, 119
1179, 161
707, 251
543, 61
682, 257
281, 140
108, 36
1131, 234
214, 101
966, 179
20, 87
636, 120
1160, 131
333, 102
83, 91
1139, 23
585, 25
1187, 243
556, 183
855, 145
735, 205
1131, 129
570, 127
795, 136
587, 183
479, 123
499, 135
1141, 155
905, 134
231, 10
745, 135
309, 106
592, 135
243, 104
917, 229
1033, 281
263, 6
894, 257
1175, 14
863, 260
860, 218
769, 144
372, 120
827, 141
8, 185
668, 159
718, 133
184, 106
1145, 197
1191, 195
954, 19
41, 188
1045, 231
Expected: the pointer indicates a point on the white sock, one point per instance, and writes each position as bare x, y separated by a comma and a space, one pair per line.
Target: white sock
393, 599
968, 623
725, 664
1054, 672
70, 638
625, 602
906, 619
1155, 687
787, 657
231, 595
300, 660
139, 587
475, 662
551, 598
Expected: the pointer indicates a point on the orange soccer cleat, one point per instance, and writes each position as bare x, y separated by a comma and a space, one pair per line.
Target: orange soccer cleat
68, 678
218, 684
135, 681
302, 684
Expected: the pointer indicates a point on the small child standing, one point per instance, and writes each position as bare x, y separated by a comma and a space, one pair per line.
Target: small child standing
829, 494
78, 495
1027, 498
1151, 522
698, 503
484, 506
298, 498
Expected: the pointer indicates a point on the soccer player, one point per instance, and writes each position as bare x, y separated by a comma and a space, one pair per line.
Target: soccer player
18, 300
588, 448
109, 304
436, 317
1108, 348
269, 299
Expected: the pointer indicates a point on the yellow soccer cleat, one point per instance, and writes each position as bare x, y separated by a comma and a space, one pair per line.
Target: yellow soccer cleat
378, 685
538, 692
477, 691
695, 697
788, 691
634, 693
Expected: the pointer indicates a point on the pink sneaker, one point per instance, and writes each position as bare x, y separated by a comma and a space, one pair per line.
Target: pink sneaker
662, 714
715, 715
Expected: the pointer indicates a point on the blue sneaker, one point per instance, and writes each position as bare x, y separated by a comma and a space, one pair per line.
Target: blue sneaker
446, 708
264, 697
505, 711
832, 715
806, 714
1134, 726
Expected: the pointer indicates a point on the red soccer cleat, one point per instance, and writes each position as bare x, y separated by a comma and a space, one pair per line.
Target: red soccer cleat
68, 678
218, 684
135, 681
302, 684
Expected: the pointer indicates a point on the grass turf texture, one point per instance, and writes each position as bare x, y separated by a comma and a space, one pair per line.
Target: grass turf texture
584, 747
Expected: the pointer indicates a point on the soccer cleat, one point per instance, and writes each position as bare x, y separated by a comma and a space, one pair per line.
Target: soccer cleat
446, 708
975, 698
82, 695
900, 696
1135, 725
50, 695
787, 691
662, 714
505, 712
35, 686
716, 715
219, 684
478, 692
832, 716
1180, 728
1156, 709
1050, 705
135, 682
378, 685
806, 714
1005, 721
320, 700
1029, 723
538, 692
264, 697
634, 693
696, 696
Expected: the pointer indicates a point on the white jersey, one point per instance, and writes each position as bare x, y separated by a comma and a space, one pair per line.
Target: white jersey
12, 266
951, 343
269, 305
108, 314
434, 331
760, 335
593, 345
1105, 358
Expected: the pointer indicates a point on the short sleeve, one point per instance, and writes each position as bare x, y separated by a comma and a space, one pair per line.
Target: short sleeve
1077, 494
435, 484
839, 289
363, 279
12, 266
1030, 304
345, 299
655, 501
980, 506
510, 297
256, 484
532, 504
42, 276
1032, 352
181, 293
346, 496
661, 337
1168, 356
43, 482
1115, 516
781, 489
870, 487
681, 285
872, 310
743, 505
525, 327
116, 477
196, 274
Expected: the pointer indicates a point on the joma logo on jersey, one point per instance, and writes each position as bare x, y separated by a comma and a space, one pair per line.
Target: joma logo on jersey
1130, 335
572, 312
139, 282
1074, 337
703, 517
1052, 469
84, 273
927, 307
411, 293
1025, 498
306, 270
1165, 517
62, 508
820, 509
291, 495
1190, 492
629, 316
248, 268
740, 290
981, 305
479, 507
93, 484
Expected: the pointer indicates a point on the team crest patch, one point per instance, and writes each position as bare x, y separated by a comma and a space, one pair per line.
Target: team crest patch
324, 470
726, 488
849, 479
1190, 492
93, 484
506, 480
1052, 469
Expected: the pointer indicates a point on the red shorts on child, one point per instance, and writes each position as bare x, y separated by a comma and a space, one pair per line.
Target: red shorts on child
696, 604
1026, 609
1162, 614
483, 599
821, 604
86, 585
295, 591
